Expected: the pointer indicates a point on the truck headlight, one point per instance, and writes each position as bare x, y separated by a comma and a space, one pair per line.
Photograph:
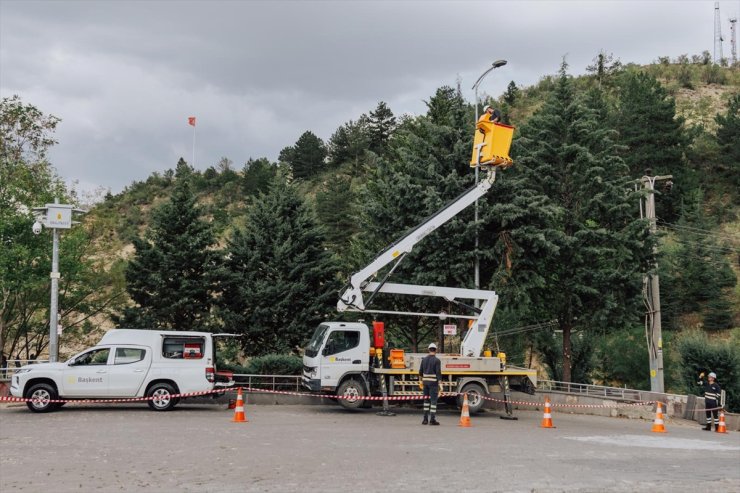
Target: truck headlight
22, 370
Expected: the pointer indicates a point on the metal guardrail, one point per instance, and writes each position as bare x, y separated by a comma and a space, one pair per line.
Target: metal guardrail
270, 382
589, 390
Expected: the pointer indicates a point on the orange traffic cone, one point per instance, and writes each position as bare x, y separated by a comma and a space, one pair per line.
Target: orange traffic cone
658, 423
547, 418
239, 416
465, 414
721, 427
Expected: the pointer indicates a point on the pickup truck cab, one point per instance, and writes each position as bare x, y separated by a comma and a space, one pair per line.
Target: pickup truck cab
125, 363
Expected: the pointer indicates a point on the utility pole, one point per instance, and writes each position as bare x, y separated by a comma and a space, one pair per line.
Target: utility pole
651, 288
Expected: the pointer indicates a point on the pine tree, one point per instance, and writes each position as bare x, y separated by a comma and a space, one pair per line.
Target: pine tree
335, 208
699, 275
381, 125
653, 137
512, 94
170, 278
257, 176
278, 280
588, 273
728, 138
307, 156
349, 143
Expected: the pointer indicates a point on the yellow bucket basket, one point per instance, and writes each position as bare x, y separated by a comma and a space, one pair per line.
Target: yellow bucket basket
492, 141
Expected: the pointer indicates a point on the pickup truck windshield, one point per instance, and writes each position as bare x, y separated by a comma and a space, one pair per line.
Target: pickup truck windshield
318, 338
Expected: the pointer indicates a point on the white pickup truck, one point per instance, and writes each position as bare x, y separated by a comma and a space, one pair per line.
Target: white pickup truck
125, 363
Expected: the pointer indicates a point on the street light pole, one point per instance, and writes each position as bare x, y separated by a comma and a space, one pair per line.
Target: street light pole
54, 305
494, 65
55, 216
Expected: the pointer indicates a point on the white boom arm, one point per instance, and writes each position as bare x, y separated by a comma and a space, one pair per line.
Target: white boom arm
352, 298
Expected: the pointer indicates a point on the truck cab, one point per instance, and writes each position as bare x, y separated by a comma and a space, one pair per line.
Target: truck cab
337, 351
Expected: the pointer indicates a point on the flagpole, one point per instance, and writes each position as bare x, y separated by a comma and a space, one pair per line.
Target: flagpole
193, 147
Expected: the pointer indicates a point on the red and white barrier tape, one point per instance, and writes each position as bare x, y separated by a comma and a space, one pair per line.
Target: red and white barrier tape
323, 396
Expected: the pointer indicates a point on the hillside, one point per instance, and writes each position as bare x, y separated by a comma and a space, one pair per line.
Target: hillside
378, 175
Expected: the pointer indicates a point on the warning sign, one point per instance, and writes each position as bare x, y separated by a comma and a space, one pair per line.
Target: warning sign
449, 329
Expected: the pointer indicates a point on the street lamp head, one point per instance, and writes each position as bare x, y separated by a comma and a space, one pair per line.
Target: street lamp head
499, 63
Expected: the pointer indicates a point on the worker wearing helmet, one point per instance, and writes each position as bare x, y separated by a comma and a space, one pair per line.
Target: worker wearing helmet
712, 393
430, 372
490, 114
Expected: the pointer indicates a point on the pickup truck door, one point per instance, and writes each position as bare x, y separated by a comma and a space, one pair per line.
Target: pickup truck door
87, 374
341, 354
129, 367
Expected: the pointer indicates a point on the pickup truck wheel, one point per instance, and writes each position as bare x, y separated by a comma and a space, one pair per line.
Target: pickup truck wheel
475, 397
41, 395
352, 393
161, 399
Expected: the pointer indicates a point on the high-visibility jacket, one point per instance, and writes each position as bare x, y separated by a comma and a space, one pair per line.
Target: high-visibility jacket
430, 370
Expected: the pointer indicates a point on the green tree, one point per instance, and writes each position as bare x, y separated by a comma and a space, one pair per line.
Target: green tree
592, 277
170, 278
700, 354
278, 280
447, 108
604, 67
307, 157
336, 210
728, 138
698, 275
653, 137
381, 124
349, 143
87, 286
257, 176
512, 94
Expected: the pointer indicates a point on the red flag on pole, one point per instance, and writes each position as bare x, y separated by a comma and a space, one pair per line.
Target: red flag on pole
191, 120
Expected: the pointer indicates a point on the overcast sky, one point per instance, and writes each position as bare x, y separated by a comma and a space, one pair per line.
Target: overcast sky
124, 76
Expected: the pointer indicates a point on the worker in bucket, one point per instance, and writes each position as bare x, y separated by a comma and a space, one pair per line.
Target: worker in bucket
490, 114
430, 373
712, 393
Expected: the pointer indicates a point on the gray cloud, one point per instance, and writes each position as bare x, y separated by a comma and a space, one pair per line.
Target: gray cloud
125, 75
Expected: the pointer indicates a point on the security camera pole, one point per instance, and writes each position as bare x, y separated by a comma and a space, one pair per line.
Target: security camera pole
651, 289
55, 216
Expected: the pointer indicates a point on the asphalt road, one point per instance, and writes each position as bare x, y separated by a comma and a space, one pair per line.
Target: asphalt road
114, 448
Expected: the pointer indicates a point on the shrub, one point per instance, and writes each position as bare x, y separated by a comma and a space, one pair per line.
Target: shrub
275, 364
700, 354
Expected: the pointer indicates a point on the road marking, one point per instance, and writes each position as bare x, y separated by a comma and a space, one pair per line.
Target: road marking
655, 442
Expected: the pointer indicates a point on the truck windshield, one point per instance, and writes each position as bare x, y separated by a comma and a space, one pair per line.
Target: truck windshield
318, 338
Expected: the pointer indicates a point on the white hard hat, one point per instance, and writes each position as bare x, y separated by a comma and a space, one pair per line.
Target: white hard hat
713, 375
487, 107
433, 346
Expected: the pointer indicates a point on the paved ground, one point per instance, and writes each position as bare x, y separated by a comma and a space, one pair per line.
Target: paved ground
323, 448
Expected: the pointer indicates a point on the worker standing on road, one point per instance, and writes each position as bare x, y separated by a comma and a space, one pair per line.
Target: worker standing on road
490, 114
712, 395
430, 372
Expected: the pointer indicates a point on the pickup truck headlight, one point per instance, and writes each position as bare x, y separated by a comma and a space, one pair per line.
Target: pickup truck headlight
23, 370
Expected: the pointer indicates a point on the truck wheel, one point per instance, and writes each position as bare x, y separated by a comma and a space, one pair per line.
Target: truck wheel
353, 393
475, 392
161, 399
41, 394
